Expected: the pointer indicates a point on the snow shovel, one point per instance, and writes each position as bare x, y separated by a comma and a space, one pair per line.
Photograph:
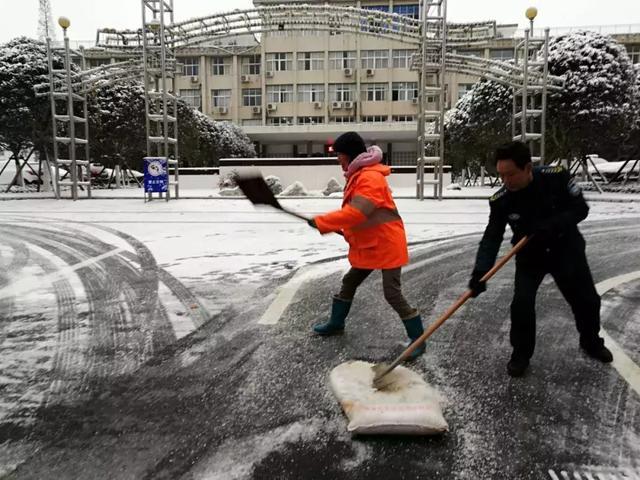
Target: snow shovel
381, 380
258, 192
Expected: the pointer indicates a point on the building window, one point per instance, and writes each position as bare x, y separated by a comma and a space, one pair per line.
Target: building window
464, 88
342, 120
375, 118
376, 8
374, 92
403, 118
375, 58
98, 62
251, 97
280, 121
404, 91
472, 53
308, 61
251, 122
412, 11
310, 120
250, 65
221, 98
402, 58
279, 62
219, 66
190, 66
342, 92
342, 60
634, 53
192, 97
279, 93
501, 54
311, 93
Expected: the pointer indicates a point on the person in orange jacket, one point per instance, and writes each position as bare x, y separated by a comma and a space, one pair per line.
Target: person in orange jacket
374, 230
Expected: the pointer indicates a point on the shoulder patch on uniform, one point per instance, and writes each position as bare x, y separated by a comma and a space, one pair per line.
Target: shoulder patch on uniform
498, 194
547, 170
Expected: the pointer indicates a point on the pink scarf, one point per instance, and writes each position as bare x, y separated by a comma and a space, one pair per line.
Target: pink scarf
372, 156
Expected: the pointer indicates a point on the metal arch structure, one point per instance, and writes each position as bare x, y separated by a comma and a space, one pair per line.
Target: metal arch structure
433, 37
329, 18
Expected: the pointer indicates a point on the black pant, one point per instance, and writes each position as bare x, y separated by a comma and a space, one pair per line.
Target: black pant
391, 286
571, 273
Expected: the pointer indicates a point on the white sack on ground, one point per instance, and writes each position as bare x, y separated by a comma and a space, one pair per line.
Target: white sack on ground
408, 407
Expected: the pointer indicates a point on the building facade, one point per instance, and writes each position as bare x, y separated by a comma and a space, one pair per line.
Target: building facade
292, 92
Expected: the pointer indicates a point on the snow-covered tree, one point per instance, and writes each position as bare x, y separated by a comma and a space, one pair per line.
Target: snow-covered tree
117, 128
480, 120
594, 113
25, 120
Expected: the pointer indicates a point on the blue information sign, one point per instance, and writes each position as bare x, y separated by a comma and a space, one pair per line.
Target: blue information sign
156, 174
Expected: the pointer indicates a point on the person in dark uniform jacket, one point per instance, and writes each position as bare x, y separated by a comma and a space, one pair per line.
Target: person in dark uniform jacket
544, 203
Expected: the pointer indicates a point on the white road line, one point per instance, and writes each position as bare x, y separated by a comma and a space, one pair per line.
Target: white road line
625, 366
28, 284
288, 290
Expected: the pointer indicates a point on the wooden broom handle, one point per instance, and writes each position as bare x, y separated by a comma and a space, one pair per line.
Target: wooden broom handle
463, 298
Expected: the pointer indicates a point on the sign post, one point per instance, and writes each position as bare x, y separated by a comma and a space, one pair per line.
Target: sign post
156, 177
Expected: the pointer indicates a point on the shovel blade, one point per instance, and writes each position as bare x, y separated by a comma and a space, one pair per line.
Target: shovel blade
256, 190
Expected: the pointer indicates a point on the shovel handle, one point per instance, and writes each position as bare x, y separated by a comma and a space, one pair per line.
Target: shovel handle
302, 217
451, 310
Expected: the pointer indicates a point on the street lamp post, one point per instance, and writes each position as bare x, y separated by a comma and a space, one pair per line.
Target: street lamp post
65, 23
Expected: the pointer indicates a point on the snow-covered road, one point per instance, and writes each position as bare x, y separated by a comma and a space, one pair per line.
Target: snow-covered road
134, 344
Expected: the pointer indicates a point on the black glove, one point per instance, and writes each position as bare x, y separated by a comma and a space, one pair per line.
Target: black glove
475, 285
312, 223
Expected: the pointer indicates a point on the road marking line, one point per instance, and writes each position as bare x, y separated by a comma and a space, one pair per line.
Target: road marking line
625, 366
28, 284
288, 290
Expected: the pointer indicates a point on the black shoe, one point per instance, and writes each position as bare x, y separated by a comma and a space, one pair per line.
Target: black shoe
517, 367
601, 353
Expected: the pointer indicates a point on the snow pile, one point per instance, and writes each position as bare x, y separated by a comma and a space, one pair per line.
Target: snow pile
296, 189
332, 187
231, 192
274, 183
454, 186
230, 180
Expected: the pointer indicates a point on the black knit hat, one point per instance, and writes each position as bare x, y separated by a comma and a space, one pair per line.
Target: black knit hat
351, 144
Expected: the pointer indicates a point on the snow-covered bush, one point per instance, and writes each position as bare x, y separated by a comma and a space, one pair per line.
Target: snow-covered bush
332, 187
296, 189
231, 192
230, 180
274, 183
594, 112
480, 120
25, 120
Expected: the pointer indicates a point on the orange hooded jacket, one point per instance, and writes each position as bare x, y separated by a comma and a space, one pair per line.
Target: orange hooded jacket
370, 221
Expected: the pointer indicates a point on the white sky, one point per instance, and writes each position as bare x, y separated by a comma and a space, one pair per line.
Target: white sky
20, 17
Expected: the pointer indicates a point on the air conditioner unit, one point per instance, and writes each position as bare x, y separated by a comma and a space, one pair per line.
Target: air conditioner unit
348, 105
317, 105
223, 110
414, 100
272, 107
268, 73
348, 72
257, 110
336, 105
370, 72
195, 80
245, 78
